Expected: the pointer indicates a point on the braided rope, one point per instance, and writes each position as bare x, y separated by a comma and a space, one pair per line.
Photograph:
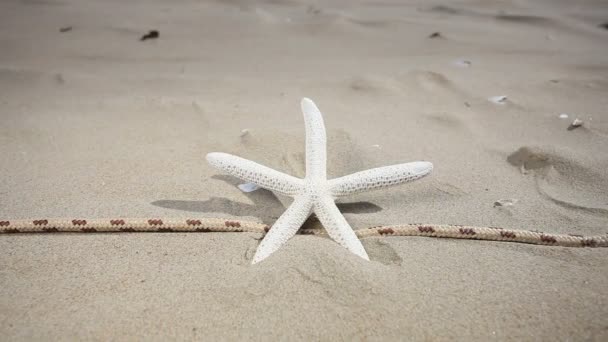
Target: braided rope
222, 225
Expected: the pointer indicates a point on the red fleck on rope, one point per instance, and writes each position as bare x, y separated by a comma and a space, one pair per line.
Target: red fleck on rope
210, 225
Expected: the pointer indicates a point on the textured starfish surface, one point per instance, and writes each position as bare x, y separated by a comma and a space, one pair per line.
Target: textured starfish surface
315, 193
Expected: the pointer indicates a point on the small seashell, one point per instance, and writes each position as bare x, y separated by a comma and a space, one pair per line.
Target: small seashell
463, 63
501, 99
244, 132
248, 187
505, 202
577, 122
563, 116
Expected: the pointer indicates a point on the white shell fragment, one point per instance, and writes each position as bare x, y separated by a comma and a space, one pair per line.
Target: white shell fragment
463, 63
505, 202
563, 116
244, 132
577, 123
501, 99
248, 187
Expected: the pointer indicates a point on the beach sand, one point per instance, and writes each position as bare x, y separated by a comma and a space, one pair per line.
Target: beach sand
96, 123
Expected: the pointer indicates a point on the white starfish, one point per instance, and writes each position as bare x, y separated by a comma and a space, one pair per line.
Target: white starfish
315, 193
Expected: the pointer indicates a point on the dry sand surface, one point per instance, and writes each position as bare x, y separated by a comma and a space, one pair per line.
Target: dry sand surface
96, 123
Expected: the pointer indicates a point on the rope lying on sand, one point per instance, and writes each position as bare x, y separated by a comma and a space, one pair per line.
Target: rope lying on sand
223, 225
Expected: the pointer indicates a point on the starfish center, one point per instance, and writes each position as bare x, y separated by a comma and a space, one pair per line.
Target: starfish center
316, 190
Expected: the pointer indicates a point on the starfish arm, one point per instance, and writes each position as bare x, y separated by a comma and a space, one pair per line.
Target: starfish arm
378, 178
284, 228
337, 227
316, 140
261, 175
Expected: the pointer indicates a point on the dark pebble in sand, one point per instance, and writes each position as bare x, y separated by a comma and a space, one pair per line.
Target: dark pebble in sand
604, 25
65, 29
150, 35
435, 35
